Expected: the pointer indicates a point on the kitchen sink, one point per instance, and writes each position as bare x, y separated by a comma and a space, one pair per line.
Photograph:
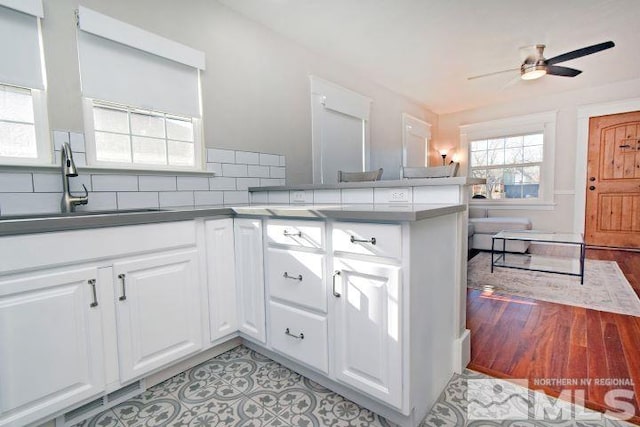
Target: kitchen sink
77, 214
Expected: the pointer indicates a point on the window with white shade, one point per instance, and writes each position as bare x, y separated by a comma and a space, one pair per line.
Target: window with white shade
141, 96
24, 130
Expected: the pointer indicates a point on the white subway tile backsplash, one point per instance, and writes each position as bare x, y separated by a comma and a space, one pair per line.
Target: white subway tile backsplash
76, 140
326, 196
269, 182
258, 171
276, 172
269, 159
137, 200
59, 137
221, 156
157, 183
245, 183
236, 197
100, 202
175, 198
29, 203
283, 161
80, 159
357, 195
259, 197
278, 197
247, 157
215, 168
193, 183
16, 182
52, 183
222, 183
203, 198
234, 170
114, 182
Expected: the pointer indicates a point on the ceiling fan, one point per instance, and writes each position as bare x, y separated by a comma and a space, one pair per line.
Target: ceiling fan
535, 65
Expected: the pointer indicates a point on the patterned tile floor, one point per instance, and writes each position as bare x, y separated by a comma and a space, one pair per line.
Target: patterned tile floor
244, 388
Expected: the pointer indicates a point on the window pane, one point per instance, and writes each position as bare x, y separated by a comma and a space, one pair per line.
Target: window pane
110, 120
478, 173
537, 139
179, 129
112, 147
149, 151
494, 144
18, 140
531, 174
16, 104
479, 145
495, 183
181, 153
513, 155
513, 142
478, 158
147, 125
496, 157
533, 154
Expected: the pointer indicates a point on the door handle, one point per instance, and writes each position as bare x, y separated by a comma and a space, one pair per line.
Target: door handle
92, 283
592, 188
333, 287
122, 278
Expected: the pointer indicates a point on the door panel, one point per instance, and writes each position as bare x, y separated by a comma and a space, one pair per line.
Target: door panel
159, 321
50, 344
367, 328
613, 183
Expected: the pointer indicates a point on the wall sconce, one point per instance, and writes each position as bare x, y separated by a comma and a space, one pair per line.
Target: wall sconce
443, 153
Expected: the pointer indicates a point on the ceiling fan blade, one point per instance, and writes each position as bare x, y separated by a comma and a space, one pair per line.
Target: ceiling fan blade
580, 52
493, 74
556, 70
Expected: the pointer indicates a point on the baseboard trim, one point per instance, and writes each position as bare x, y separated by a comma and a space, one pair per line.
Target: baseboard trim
462, 351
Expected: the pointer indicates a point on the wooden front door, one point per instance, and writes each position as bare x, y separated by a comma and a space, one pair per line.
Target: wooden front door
613, 181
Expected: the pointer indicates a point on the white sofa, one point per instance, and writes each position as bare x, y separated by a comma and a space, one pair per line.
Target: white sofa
484, 227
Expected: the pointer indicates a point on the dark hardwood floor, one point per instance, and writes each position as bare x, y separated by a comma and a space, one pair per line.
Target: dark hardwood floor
524, 338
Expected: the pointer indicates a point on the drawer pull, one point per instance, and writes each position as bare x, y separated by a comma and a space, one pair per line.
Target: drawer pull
333, 287
92, 283
124, 287
300, 337
298, 234
287, 276
371, 240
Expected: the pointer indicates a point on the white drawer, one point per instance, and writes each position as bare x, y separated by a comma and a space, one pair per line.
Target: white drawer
308, 234
304, 282
383, 240
300, 335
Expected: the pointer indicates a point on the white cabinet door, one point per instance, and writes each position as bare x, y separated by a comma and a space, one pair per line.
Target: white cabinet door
250, 277
367, 328
50, 343
157, 309
221, 277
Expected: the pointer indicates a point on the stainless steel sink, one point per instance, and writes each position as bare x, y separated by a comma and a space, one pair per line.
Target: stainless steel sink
78, 214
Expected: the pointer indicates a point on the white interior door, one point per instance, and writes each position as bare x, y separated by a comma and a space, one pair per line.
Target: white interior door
415, 141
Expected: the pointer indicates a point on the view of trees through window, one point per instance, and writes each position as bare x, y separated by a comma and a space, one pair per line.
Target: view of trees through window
17, 123
511, 165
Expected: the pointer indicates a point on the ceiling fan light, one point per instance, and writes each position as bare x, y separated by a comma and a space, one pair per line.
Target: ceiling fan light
532, 71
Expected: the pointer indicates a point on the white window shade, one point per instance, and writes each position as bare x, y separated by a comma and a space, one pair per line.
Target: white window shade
124, 64
20, 47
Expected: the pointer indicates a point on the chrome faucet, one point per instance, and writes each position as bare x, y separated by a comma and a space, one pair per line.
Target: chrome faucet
69, 202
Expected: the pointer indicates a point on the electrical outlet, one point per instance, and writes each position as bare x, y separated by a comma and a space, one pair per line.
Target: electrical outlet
399, 195
298, 197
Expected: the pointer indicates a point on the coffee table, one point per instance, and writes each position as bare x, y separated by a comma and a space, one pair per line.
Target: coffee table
547, 264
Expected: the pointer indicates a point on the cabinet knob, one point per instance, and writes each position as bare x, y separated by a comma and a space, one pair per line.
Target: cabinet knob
592, 187
593, 178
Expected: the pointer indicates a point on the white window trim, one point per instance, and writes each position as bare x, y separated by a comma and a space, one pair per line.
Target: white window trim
90, 142
43, 136
331, 96
544, 122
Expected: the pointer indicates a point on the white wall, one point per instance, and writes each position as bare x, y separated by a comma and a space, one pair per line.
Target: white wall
566, 104
255, 88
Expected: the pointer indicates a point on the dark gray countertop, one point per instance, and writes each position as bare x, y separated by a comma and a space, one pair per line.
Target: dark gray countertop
417, 182
87, 220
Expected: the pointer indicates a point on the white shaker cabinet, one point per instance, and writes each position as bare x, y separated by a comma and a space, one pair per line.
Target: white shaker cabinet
367, 328
157, 310
51, 353
221, 277
250, 278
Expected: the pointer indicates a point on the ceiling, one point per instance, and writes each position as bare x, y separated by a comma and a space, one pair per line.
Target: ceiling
426, 49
